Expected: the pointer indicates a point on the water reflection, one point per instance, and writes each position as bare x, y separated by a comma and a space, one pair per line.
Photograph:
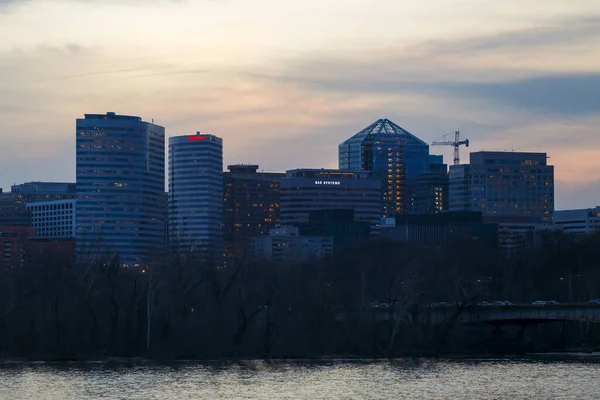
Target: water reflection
396, 379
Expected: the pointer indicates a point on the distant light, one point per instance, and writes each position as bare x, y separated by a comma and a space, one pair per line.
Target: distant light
196, 137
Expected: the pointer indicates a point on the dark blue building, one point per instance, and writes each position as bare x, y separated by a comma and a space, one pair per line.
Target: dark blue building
394, 156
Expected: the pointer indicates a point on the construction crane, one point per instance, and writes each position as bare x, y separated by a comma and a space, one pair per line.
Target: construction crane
456, 143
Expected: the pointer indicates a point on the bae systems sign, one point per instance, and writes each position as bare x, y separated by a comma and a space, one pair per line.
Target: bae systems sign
328, 183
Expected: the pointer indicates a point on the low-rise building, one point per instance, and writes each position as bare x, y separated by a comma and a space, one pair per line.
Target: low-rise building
441, 231
13, 245
582, 221
285, 244
53, 219
13, 205
338, 224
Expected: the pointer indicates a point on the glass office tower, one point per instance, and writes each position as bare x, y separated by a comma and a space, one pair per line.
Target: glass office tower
120, 185
394, 156
196, 197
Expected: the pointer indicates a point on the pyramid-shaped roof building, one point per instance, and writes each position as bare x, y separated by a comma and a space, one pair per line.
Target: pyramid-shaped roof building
384, 128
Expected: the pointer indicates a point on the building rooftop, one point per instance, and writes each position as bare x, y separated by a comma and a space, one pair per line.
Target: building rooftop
384, 128
327, 173
44, 187
112, 115
494, 157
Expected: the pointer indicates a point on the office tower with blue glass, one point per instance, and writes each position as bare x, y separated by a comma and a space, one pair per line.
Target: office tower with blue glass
392, 154
195, 210
119, 189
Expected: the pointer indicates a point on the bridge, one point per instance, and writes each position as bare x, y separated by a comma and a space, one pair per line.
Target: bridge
522, 314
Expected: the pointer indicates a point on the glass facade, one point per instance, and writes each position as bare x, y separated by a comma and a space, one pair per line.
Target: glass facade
120, 188
428, 192
196, 196
394, 156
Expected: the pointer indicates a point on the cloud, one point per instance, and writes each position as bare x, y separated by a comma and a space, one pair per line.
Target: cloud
514, 69
507, 90
549, 35
574, 195
553, 95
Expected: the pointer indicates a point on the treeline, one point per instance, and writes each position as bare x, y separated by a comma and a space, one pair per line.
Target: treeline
187, 309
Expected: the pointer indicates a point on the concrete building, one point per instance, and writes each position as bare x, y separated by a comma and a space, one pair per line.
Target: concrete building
13, 205
504, 184
285, 243
441, 231
306, 190
392, 154
513, 189
582, 221
13, 245
53, 219
13, 211
338, 224
120, 185
45, 191
250, 208
196, 196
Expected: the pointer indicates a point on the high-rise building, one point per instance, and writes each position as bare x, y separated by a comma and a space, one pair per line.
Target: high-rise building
428, 192
196, 196
504, 184
513, 189
306, 190
250, 208
394, 156
584, 221
120, 188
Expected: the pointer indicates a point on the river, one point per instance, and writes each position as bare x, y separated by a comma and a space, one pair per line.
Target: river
397, 379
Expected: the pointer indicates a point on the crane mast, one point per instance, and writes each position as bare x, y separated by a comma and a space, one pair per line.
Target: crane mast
456, 143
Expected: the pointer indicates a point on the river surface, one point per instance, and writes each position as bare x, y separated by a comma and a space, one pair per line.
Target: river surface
398, 379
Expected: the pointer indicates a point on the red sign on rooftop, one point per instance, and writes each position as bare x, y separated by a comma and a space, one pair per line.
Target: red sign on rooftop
196, 137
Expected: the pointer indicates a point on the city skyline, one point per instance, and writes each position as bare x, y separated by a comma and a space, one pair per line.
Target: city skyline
305, 77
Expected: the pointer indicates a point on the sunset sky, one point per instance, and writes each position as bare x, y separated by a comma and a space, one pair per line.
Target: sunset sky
285, 82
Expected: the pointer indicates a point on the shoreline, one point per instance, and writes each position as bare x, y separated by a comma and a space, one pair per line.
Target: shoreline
553, 355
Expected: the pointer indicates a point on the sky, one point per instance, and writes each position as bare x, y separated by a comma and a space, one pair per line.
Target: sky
283, 83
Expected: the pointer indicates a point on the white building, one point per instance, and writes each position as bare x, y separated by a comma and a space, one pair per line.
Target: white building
285, 243
578, 221
53, 219
195, 210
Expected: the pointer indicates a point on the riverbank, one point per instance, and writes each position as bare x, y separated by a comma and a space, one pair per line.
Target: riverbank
554, 356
